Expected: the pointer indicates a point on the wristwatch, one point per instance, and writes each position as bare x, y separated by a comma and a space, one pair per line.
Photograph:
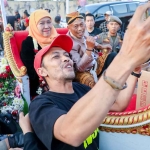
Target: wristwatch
136, 75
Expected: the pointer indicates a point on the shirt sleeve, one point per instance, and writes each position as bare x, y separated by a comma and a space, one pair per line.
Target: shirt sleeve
100, 38
43, 116
31, 142
81, 62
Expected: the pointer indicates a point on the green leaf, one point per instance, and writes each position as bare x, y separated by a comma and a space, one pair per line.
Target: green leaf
25, 107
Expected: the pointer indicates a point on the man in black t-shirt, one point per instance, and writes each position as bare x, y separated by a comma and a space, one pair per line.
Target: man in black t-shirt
58, 103
90, 21
67, 116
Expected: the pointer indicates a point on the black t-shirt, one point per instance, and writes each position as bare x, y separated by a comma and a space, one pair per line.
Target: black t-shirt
31, 142
45, 109
95, 32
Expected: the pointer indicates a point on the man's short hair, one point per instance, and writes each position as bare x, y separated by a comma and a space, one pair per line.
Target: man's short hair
57, 19
90, 15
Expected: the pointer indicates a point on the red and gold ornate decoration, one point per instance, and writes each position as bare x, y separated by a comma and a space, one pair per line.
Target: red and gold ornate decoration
144, 130
7, 35
137, 121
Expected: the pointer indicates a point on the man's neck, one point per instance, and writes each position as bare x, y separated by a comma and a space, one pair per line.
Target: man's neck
61, 86
90, 29
112, 34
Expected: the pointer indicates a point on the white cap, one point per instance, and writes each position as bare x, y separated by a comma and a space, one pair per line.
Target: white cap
108, 13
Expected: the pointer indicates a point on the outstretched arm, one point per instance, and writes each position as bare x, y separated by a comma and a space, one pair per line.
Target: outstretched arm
95, 104
89, 111
84, 61
124, 96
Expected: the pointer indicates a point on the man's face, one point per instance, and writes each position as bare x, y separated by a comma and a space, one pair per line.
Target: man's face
89, 22
77, 28
107, 17
44, 26
113, 27
57, 65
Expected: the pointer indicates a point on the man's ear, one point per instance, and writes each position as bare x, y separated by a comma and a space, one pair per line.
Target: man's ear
119, 27
42, 72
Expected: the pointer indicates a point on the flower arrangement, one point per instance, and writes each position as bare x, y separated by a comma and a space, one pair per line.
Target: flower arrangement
11, 100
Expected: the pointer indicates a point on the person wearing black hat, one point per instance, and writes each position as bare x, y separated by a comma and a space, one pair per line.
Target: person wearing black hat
112, 36
57, 22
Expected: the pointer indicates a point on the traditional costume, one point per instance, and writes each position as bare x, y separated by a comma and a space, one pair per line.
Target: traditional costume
87, 68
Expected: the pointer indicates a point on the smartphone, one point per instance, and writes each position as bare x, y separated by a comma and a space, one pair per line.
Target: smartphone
147, 14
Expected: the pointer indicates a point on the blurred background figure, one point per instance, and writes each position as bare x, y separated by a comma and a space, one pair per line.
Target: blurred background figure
103, 26
26, 24
1, 37
24, 20
48, 10
17, 21
90, 22
5, 3
17, 15
1, 24
25, 14
57, 22
81, 4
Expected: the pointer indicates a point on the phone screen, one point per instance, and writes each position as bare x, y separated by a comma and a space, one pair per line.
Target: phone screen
147, 13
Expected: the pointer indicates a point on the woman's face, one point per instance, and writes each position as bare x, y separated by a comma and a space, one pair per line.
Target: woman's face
44, 26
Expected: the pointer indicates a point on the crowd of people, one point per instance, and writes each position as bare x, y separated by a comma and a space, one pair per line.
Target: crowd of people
104, 65
21, 22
